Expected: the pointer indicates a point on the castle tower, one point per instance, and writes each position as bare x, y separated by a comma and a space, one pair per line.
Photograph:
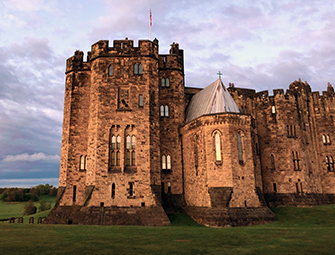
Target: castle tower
111, 145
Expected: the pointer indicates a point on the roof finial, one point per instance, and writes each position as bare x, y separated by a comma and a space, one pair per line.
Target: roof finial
219, 73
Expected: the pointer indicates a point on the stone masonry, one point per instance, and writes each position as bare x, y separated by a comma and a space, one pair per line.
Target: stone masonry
128, 156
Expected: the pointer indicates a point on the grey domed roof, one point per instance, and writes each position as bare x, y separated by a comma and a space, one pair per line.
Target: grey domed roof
215, 98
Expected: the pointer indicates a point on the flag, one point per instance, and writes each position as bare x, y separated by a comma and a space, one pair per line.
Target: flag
150, 18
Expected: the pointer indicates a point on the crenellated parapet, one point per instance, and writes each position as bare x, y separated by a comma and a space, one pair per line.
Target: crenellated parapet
174, 60
124, 48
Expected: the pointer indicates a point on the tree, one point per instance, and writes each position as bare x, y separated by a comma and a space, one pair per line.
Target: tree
44, 206
29, 208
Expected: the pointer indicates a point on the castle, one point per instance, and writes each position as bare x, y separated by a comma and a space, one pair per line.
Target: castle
137, 143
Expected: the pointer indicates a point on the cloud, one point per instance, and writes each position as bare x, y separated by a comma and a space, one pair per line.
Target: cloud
34, 157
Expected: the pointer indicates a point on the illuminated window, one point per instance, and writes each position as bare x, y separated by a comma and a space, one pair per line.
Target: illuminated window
217, 147
82, 163
168, 162
163, 162
118, 142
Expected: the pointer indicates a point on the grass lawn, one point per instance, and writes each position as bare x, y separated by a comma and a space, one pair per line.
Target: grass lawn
296, 231
15, 209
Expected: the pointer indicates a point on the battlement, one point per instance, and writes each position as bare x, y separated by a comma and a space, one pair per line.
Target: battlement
174, 60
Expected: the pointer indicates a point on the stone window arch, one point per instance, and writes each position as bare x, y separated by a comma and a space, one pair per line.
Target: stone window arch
217, 146
140, 69
163, 162
163, 83
331, 163
162, 111
135, 69
167, 82
168, 162
166, 111
118, 142
110, 70
272, 160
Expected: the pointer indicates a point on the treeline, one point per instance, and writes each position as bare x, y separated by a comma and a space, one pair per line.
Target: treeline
26, 194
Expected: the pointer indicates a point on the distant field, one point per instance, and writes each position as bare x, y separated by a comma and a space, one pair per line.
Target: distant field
296, 231
15, 209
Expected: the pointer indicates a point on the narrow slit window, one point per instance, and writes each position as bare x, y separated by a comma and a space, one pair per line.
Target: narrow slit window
113, 142
168, 162
273, 109
110, 71
135, 69
239, 146
166, 111
327, 163
331, 162
162, 110
118, 142
140, 69
288, 131
328, 139
217, 147
128, 158
131, 189
272, 158
128, 142
133, 142
113, 190
295, 132
324, 139
74, 194
133, 162
140, 100
112, 155
118, 158
167, 83
82, 163
163, 162
85, 166
163, 83
274, 187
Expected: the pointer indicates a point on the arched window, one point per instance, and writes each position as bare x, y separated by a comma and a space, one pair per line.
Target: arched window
167, 83
118, 142
140, 69
162, 110
85, 167
217, 146
135, 69
118, 158
113, 190
297, 159
272, 159
324, 139
331, 162
128, 142
166, 111
110, 71
112, 155
163, 162
113, 142
163, 83
327, 164
127, 158
133, 140
168, 162
82, 163
328, 139
133, 163
239, 147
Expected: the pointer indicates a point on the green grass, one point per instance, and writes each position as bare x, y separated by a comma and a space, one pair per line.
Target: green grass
15, 209
295, 231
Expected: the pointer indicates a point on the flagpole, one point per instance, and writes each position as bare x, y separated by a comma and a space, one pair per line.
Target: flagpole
150, 24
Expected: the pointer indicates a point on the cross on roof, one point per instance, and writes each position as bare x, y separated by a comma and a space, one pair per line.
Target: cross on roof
219, 73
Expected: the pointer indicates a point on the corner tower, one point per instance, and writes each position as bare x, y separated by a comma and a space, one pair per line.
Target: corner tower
111, 146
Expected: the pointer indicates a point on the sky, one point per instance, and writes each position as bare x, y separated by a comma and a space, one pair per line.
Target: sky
262, 45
